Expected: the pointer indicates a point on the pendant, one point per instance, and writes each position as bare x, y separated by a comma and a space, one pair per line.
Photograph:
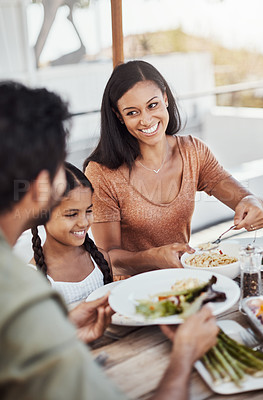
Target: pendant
156, 170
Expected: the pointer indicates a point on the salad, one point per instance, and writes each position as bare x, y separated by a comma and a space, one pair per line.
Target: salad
184, 299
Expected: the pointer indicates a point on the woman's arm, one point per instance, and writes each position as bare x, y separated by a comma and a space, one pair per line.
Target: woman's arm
248, 208
107, 235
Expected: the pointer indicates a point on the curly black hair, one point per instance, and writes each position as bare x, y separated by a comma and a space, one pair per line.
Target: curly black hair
33, 135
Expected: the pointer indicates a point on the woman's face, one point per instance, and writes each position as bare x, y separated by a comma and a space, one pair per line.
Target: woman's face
71, 219
143, 109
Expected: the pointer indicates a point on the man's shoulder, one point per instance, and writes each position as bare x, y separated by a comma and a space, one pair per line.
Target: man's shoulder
19, 284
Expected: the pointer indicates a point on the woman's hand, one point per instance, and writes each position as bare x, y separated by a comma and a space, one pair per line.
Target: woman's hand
91, 318
249, 213
168, 256
194, 337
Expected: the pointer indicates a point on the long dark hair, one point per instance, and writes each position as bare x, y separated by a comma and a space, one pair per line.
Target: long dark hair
117, 146
75, 178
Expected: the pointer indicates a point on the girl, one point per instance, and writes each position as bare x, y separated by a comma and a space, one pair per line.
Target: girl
145, 176
69, 258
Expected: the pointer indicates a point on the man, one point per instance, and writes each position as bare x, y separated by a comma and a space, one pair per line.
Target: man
40, 355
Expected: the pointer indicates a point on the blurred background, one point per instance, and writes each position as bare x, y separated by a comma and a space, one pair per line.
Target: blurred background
210, 52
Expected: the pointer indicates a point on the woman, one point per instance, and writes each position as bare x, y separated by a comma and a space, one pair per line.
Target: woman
145, 176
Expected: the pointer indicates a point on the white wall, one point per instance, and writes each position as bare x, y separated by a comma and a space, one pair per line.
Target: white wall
16, 61
235, 135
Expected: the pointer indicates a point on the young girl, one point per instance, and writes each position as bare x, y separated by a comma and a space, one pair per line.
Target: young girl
69, 258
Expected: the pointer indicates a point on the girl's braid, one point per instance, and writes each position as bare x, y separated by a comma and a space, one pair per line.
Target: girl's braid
38, 252
99, 259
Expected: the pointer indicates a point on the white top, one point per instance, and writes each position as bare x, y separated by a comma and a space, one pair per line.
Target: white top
77, 291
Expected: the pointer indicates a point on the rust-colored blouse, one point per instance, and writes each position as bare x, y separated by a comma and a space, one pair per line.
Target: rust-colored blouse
145, 224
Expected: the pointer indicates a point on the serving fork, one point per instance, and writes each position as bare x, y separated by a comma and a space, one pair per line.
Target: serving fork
251, 340
216, 242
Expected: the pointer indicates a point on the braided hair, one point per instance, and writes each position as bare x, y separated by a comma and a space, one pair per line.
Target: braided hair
99, 259
38, 252
75, 178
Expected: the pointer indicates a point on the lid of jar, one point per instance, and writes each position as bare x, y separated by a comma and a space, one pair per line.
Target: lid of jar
250, 248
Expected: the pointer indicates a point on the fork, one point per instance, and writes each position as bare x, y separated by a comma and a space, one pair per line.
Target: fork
218, 240
254, 240
250, 339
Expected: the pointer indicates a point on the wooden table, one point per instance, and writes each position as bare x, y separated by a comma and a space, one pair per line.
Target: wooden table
138, 357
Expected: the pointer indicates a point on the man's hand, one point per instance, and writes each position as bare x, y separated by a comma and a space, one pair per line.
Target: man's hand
194, 337
91, 318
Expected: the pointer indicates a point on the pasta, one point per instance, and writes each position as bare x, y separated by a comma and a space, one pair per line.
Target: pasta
184, 284
209, 259
206, 246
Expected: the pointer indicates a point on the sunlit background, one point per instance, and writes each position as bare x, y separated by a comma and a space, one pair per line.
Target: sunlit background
210, 51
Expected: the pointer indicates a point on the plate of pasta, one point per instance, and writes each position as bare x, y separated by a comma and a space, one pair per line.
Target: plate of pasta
223, 260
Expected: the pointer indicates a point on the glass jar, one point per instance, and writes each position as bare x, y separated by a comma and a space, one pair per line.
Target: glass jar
250, 269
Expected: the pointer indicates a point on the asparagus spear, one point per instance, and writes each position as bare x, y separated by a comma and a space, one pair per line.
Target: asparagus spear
228, 339
233, 359
211, 369
225, 364
243, 353
218, 367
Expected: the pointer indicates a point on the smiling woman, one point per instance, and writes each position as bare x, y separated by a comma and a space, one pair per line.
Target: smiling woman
69, 258
145, 176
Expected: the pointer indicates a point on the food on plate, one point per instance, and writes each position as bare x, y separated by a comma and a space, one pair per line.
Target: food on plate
184, 298
184, 284
206, 246
255, 305
231, 361
209, 259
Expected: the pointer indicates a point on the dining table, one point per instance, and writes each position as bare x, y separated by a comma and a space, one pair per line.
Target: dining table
136, 357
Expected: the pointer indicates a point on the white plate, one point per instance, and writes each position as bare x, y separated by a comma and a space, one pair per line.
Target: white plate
233, 329
116, 319
123, 297
101, 291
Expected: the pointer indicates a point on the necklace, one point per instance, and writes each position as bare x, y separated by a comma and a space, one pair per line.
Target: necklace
156, 170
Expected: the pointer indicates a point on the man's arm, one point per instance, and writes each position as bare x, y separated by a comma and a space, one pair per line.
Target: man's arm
191, 341
41, 358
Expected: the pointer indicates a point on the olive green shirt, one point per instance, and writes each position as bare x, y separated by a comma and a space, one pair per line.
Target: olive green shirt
40, 356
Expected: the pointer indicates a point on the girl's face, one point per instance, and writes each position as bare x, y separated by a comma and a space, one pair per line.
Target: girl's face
143, 109
71, 219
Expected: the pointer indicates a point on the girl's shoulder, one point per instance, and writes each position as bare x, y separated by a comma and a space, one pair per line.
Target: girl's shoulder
31, 265
32, 262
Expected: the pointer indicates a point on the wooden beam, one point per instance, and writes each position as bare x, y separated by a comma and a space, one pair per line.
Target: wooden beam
117, 34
